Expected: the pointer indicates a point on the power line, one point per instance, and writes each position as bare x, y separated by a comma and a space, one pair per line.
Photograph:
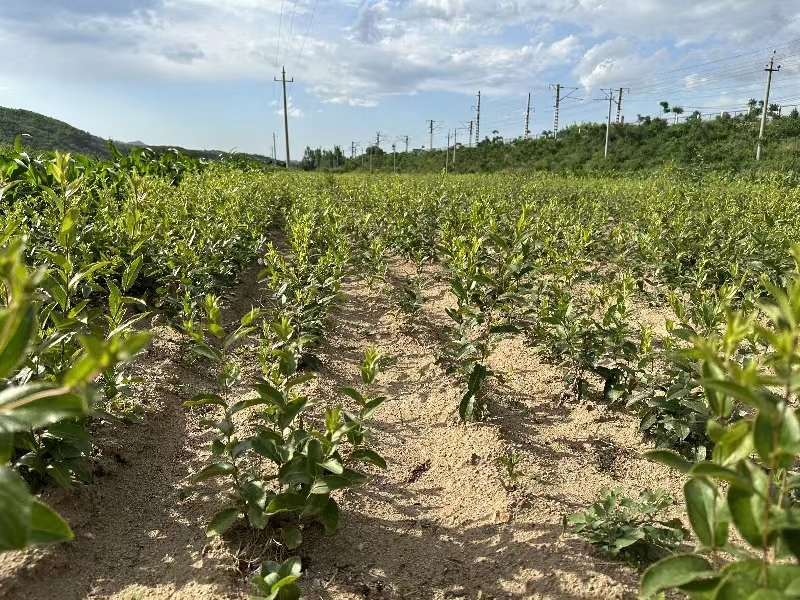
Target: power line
289, 37
305, 37
278, 41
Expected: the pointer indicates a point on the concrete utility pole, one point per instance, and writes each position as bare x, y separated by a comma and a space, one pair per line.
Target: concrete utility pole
352, 149
274, 149
770, 69
558, 88
378, 139
394, 156
528, 118
405, 139
434, 125
447, 151
471, 123
478, 120
608, 124
285, 110
619, 101
455, 143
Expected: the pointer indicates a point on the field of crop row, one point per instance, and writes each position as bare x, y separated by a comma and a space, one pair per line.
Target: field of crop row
216, 380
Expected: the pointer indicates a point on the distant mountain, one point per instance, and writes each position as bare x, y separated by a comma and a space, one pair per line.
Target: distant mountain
45, 133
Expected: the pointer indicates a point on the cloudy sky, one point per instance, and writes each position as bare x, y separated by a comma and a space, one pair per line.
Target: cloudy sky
199, 73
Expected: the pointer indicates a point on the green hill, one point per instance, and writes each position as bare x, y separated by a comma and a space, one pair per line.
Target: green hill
46, 134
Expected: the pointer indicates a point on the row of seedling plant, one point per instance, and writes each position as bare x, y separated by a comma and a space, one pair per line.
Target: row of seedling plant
278, 454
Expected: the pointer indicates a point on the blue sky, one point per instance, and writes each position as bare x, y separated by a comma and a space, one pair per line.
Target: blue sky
199, 73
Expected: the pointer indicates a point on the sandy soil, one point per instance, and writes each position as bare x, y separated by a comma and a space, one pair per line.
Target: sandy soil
441, 522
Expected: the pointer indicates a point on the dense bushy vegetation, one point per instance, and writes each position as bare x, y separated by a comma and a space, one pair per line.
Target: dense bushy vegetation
723, 143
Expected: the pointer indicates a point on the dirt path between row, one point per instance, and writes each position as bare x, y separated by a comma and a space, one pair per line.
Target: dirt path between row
441, 522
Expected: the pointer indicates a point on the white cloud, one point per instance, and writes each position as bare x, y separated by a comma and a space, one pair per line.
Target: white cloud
294, 111
360, 52
616, 61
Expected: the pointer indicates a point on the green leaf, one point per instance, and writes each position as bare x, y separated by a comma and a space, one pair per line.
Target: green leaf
207, 351
368, 456
6, 447
37, 405
354, 394
292, 537
250, 317
16, 507
17, 327
285, 502
314, 505
290, 567
699, 494
742, 393
329, 483
370, 408
254, 493
131, 273
673, 571
81, 275
767, 595
332, 465
47, 526
466, 407
265, 445
669, 458
66, 233
711, 469
744, 512
762, 434
268, 392
329, 517
214, 470
61, 473
298, 379
222, 521
206, 398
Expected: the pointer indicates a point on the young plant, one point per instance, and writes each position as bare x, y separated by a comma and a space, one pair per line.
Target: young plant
750, 480
33, 412
509, 463
277, 581
633, 528
670, 400
227, 449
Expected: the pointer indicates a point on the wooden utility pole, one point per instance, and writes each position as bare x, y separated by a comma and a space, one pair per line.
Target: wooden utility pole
285, 110
770, 69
